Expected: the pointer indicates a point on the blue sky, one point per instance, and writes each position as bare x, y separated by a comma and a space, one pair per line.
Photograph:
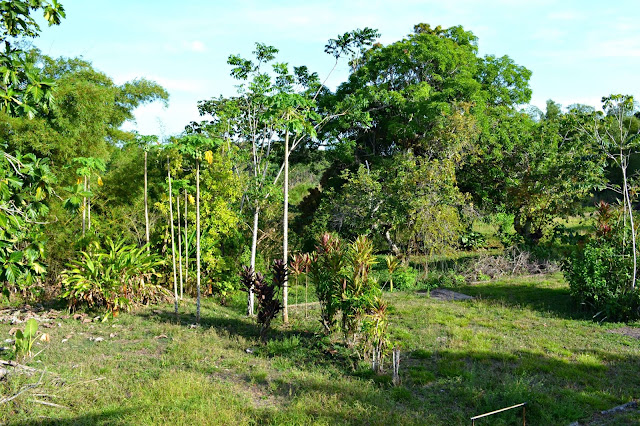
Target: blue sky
578, 51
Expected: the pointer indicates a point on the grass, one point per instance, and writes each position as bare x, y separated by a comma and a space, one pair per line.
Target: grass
519, 340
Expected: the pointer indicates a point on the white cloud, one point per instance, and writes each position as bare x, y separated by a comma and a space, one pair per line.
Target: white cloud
618, 48
196, 46
566, 15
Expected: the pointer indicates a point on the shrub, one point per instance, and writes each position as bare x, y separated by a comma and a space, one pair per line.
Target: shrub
266, 293
406, 278
114, 277
442, 279
325, 270
600, 272
472, 241
344, 283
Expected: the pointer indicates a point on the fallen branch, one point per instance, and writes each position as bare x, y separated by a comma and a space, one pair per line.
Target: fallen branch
86, 381
26, 388
50, 404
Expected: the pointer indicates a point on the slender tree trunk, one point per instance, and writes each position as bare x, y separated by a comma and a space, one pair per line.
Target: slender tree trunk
84, 209
633, 230
306, 294
254, 247
186, 242
198, 240
285, 233
146, 203
179, 245
89, 206
392, 245
173, 244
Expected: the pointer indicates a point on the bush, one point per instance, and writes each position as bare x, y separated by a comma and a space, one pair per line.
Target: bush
472, 241
406, 278
266, 293
600, 272
442, 279
114, 277
599, 278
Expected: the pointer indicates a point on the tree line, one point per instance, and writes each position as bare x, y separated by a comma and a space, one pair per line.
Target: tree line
423, 138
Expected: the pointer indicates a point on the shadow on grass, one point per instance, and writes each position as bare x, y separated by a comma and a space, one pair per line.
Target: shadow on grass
107, 417
557, 390
533, 294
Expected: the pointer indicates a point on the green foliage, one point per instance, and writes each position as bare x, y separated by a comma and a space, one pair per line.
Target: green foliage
374, 329
472, 240
24, 339
113, 277
325, 270
359, 290
534, 170
25, 91
25, 185
406, 278
449, 279
411, 202
344, 283
600, 272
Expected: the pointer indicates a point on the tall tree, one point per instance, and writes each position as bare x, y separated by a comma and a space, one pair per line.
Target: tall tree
617, 134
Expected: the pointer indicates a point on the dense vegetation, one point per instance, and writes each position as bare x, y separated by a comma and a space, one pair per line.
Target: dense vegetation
426, 154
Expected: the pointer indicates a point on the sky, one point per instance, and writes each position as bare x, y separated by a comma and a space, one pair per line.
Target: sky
578, 51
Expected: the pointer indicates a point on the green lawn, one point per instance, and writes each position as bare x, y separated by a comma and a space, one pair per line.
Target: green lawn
520, 340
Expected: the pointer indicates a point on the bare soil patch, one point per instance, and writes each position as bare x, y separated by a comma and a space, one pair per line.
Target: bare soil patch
448, 295
627, 331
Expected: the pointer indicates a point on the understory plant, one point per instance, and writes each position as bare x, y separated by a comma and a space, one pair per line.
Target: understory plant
325, 272
344, 285
25, 338
374, 327
266, 293
600, 272
115, 277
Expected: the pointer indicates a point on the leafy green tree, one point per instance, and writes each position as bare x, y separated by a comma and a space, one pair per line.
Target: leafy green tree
405, 198
86, 122
617, 133
24, 91
25, 184
25, 180
535, 170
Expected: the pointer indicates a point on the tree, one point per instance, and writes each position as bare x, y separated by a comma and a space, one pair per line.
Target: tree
25, 185
251, 122
25, 181
272, 105
86, 122
617, 133
23, 90
195, 146
535, 170
144, 142
89, 167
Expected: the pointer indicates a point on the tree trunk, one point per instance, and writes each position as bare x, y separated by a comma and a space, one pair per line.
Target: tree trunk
392, 245
633, 230
173, 244
89, 206
285, 233
198, 241
186, 242
254, 247
146, 203
84, 209
179, 245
